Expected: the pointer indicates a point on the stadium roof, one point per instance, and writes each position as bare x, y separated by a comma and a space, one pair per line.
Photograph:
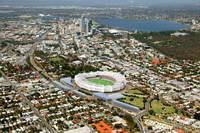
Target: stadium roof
102, 96
119, 81
67, 81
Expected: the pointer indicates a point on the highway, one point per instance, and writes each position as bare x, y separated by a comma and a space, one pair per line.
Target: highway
139, 124
139, 116
24, 98
147, 108
29, 54
135, 118
32, 49
22, 61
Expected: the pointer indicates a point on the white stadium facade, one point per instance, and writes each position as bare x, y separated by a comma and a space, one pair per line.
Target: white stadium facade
117, 79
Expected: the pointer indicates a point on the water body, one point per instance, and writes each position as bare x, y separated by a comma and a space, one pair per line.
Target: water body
141, 25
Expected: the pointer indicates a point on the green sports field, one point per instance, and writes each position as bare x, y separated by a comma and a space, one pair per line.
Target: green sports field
100, 81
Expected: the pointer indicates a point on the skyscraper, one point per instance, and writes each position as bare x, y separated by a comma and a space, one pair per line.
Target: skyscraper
85, 25
82, 24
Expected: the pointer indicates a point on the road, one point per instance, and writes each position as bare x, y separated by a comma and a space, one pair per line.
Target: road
139, 116
147, 108
139, 124
22, 61
4, 49
25, 100
32, 49
135, 118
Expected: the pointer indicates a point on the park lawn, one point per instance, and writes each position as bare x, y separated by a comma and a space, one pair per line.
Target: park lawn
101, 82
170, 110
136, 101
159, 108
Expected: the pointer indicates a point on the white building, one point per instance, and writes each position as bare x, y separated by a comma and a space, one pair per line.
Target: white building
118, 80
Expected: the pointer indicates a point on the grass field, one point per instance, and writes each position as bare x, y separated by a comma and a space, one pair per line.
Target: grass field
134, 97
136, 101
159, 108
100, 82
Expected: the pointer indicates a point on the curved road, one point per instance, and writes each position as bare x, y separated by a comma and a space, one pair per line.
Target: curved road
25, 99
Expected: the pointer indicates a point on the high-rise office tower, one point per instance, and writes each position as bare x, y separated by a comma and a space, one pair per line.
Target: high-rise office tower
85, 25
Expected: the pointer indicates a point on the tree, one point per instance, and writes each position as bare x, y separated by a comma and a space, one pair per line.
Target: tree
150, 128
130, 121
131, 99
118, 126
151, 112
197, 116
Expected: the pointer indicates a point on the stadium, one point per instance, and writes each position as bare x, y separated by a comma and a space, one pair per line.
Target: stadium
101, 81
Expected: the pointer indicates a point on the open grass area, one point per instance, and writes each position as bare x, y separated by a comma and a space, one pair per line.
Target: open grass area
136, 101
135, 97
100, 81
159, 108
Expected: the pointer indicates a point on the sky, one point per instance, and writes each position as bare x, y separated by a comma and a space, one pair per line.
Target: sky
96, 2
